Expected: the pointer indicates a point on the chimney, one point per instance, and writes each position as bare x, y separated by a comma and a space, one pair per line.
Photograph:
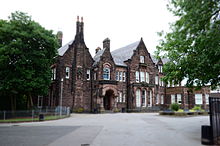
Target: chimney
97, 50
106, 44
60, 38
79, 29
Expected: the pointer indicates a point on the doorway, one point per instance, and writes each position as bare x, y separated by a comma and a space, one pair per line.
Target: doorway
108, 99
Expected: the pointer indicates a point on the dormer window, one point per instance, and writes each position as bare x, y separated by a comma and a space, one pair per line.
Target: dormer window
106, 73
141, 59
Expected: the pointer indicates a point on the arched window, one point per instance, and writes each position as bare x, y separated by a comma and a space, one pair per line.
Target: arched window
138, 98
106, 73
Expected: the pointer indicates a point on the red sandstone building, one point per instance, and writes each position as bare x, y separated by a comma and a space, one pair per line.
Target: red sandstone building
126, 78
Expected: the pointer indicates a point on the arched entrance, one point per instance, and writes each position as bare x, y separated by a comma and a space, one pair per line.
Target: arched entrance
109, 100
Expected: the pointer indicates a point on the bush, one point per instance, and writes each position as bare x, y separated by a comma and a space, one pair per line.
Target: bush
180, 111
197, 108
175, 107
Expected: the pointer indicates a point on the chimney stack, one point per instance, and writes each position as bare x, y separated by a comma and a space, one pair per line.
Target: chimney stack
97, 50
60, 38
106, 44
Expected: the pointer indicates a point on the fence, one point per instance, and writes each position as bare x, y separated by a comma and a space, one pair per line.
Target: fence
34, 114
214, 105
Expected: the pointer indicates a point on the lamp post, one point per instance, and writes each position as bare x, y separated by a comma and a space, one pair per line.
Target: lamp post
61, 96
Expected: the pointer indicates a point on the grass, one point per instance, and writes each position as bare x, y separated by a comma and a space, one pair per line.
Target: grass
35, 119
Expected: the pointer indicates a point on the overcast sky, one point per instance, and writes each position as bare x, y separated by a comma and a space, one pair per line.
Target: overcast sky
122, 21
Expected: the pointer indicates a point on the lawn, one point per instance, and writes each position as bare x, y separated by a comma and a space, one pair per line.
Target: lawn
35, 119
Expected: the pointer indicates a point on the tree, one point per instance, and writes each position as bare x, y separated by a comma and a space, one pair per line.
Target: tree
193, 45
27, 51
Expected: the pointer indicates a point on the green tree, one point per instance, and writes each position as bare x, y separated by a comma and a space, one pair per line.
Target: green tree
27, 50
193, 45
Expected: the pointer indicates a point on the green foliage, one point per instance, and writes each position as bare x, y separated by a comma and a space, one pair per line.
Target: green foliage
197, 108
27, 51
192, 46
180, 110
79, 110
175, 107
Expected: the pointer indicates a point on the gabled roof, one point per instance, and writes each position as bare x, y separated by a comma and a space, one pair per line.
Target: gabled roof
98, 56
64, 48
122, 54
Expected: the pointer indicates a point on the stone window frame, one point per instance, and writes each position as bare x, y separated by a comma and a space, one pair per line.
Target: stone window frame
198, 99
173, 98
106, 67
207, 98
67, 72
124, 76
179, 98
88, 74
143, 96
53, 77
162, 99
142, 76
138, 97
147, 77
157, 80
157, 99
142, 59
137, 77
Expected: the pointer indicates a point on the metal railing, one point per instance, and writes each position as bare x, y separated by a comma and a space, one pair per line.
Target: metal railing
214, 105
34, 114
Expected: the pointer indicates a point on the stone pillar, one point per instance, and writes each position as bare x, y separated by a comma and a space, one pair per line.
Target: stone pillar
115, 108
102, 109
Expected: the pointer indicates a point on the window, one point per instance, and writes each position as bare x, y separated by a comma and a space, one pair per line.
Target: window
156, 80
138, 98
160, 82
162, 99
124, 76
124, 96
117, 76
95, 76
120, 96
198, 98
143, 98
88, 74
141, 59
106, 73
67, 72
137, 76
142, 77
160, 67
173, 98
147, 77
207, 98
53, 74
157, 99
179, 100
150, 99
120, 76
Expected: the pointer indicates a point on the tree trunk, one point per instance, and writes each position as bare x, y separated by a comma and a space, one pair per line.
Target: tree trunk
29, 101
13, 103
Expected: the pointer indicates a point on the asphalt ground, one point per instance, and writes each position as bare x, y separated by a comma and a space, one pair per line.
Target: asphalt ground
120, 129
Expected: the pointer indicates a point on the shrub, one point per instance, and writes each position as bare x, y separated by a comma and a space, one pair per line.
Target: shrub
175, 107
180, 111
80, 110
197, 108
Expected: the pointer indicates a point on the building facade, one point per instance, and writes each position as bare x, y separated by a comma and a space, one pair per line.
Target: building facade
126, 78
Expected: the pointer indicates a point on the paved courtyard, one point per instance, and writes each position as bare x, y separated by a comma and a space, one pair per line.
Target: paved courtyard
121, 129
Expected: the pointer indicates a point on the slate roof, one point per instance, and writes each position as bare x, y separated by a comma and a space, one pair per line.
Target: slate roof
122, 54
98, 55
64, 48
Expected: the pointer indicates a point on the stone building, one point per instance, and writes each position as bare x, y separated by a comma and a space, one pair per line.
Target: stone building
126, 78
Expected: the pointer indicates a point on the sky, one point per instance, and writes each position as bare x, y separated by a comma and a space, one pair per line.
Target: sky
122, 21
